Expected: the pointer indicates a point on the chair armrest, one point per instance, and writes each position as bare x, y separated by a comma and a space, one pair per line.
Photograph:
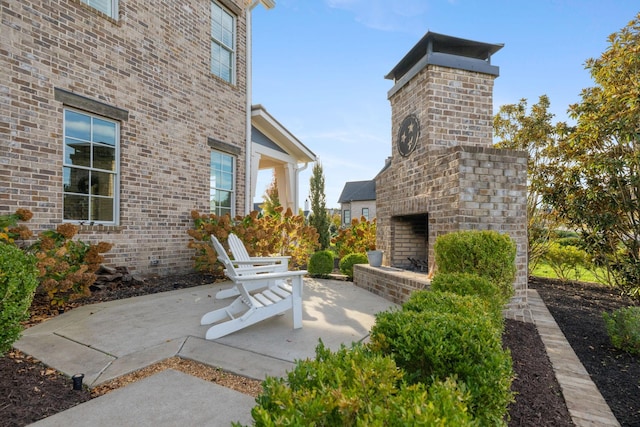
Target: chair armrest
268, 258
253, 269
266, 276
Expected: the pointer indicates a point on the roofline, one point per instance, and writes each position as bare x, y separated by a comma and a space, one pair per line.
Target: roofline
274, 126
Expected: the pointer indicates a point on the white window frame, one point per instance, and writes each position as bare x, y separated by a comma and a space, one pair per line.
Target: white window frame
345, 213
367, 214
116, 172
108, 7
216, 42
214, 187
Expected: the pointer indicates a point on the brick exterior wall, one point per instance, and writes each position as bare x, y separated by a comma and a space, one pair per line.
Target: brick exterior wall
152, 63
454, 179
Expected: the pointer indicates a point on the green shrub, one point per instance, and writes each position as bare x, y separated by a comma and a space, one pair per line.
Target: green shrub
564, 260
347, 262
565, 234
18, 282
488, 254
469, 284
321, 263
359, 236
356, 387
623, 327
436, 345
464, 305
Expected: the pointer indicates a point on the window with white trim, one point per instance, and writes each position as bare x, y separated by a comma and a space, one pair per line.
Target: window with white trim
108, 7
222, 188
365, 213
346, 217
223, 36
90, 168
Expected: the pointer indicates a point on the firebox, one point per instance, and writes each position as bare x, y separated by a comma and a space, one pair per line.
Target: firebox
410, 242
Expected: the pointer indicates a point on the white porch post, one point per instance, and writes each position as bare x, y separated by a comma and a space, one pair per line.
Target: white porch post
255, 164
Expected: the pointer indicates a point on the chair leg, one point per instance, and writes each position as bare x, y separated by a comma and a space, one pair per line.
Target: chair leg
296, 302
230, 311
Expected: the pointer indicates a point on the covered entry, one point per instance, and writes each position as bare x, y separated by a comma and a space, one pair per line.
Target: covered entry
274, 147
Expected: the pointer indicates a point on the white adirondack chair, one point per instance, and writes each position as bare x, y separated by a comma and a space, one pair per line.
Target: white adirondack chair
241, 255
245, 263
282, 292
246, 266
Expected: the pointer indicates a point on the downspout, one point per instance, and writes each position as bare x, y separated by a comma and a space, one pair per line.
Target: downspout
248, 202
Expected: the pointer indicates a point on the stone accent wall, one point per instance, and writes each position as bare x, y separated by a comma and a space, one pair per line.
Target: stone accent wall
453, 179
152, 63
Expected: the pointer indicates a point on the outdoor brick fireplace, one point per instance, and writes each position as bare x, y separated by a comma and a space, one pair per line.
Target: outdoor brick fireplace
443, 174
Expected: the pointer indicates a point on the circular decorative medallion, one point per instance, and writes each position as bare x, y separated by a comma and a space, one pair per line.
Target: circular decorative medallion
408, 135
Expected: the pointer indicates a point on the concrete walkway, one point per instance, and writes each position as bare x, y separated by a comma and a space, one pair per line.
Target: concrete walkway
106, 340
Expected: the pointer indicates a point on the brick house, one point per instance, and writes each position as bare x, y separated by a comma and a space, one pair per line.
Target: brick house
123, 117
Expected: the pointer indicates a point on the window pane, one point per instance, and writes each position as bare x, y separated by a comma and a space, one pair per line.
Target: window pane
101, 209
102, 184
216, 29
104, 132
226, 164
104, 158
76, 180
77, 152
215, 59
227, 30
76, 208
77, 125
224, 199
216, 158
227, 182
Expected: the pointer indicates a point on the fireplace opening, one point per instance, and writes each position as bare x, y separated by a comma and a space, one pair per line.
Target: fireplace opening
410, 242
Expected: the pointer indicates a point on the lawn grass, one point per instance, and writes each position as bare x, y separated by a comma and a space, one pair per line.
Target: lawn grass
583, 275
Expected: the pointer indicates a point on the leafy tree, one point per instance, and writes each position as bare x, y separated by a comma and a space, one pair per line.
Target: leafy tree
319, 218
335, 223
271, 198
534, 133
594, 182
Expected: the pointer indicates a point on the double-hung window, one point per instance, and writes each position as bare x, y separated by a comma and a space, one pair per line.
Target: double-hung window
108, 7
222, 189
346, 217
222, 42
90, 170
365, 213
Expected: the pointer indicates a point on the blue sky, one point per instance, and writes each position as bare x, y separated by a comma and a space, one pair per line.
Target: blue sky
319, 65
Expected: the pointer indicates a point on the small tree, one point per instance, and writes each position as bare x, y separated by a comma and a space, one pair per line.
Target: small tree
319, 218
534, 133
271, 198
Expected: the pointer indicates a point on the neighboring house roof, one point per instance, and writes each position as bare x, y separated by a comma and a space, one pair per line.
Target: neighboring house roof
358, 191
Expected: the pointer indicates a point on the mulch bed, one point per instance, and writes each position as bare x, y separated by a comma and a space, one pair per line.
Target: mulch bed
31, 391
577, 308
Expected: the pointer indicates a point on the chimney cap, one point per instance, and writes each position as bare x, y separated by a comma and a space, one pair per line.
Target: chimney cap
454, 47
